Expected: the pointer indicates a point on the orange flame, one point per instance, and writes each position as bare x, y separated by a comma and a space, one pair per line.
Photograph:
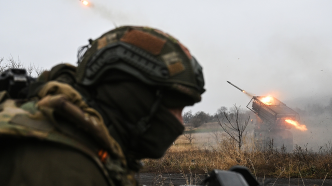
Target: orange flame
297, 125
268, 100
86, 3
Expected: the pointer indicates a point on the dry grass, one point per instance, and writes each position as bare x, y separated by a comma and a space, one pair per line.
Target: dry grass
262, 161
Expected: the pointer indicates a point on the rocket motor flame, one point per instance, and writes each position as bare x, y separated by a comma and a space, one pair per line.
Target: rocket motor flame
297, 125
268, 100
86, 3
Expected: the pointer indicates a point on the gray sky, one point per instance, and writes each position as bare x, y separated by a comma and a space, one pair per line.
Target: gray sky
273, 47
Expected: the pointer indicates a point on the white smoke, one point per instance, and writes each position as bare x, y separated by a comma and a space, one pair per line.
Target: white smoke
114, 14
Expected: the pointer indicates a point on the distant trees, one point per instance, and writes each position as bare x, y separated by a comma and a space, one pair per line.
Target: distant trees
187, 117
197, 119
220, 113
221, 110
233, 122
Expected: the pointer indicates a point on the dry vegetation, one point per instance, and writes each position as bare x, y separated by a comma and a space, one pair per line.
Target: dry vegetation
223, 153
10, 62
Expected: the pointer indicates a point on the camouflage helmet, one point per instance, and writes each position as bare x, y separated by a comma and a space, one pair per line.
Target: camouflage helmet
152, 56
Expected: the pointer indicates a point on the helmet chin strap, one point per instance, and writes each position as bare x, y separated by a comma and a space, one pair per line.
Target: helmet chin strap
143, 123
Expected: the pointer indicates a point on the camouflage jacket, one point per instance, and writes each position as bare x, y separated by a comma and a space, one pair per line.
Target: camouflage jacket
58, 114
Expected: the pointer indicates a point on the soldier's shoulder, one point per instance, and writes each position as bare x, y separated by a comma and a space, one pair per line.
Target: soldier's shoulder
63, 72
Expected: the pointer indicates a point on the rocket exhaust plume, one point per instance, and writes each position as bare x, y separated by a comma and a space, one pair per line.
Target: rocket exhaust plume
297, 125
85, 3
268, 100
247, 93
107, 13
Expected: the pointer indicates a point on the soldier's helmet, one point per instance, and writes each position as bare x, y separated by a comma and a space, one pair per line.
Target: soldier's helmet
152, 56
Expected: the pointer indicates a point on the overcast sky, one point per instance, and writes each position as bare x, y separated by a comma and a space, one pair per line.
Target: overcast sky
281, 48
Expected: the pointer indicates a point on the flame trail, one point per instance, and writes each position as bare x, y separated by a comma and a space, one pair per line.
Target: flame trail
86, 3
107, 13
297, 125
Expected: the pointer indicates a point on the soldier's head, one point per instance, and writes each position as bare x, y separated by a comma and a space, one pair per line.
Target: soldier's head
141, 78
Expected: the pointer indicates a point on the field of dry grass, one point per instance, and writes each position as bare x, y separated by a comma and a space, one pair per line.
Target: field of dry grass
214, 150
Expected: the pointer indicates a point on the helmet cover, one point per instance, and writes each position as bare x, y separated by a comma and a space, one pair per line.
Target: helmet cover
152, 56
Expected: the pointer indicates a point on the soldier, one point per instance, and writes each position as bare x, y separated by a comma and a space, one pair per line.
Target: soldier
91, 125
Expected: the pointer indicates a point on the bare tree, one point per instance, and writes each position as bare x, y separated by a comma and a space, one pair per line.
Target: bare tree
11, 63
2, 67
219, 115
38, 70
217, 135
14, 63
189, 135
222, 109
29, 69
234, 123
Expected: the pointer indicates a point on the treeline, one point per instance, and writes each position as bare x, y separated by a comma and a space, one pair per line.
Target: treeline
316, 111
199, 118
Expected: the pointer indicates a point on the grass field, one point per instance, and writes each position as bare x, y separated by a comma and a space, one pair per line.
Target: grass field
214, 150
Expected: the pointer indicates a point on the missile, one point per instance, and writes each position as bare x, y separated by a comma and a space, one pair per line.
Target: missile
236, 86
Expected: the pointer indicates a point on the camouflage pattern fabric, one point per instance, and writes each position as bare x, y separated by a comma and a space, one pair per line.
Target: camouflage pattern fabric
62, 98
37, 118
152, 56
64, 73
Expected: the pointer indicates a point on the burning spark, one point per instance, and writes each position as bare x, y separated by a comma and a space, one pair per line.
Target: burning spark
297, 125
86, 3
268, 100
